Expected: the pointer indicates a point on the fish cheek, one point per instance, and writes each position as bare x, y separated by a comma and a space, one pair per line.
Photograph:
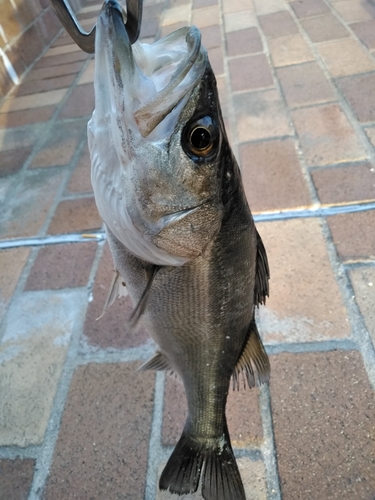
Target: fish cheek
190, 236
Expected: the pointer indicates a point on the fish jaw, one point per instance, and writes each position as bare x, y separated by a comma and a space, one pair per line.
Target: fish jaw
141, 95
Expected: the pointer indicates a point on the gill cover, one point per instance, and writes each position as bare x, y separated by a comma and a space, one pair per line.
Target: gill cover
140, 92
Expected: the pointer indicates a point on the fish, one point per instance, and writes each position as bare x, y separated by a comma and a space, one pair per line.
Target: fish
181, 234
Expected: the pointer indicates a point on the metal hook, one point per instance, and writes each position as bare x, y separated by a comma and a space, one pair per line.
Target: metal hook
86, 41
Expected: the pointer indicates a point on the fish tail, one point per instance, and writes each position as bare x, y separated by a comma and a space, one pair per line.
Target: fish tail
214, 464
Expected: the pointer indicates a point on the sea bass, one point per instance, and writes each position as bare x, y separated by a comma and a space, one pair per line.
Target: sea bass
181, 233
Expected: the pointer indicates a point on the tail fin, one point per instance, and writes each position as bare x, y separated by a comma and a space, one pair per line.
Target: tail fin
214, 463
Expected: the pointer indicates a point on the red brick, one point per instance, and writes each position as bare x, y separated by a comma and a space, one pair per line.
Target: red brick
211, 36
75, 215
169, 28
216, 58
48, 25
36, 86
363, 281
55, 71
326, 135
345, 184
260, 115
112, 331
288, 50
365, 32
359, 91
61, 59
272, 175
32, 199
243, 42
26, 14
62, 39
242, 411
250, 72
60, 144
15, 478
102, 447
81, 102
353, 235
62, 266
305, 303
10, 24
12, 262
26, 116
308, 8
278, 24
346, 57
80, 180
11, 161
198, 4
30, 45
324, 28
323, 411
304, 84
355, 11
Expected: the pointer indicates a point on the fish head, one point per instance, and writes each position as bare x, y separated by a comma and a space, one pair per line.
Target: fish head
155, 139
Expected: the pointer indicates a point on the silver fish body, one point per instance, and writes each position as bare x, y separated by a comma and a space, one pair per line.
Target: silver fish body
182, 237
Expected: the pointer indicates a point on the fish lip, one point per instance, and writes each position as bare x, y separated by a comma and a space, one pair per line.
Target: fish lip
112, 9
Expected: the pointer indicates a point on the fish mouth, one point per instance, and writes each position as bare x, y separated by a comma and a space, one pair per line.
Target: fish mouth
147, 82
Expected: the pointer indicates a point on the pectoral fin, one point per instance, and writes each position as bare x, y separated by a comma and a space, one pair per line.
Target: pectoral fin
141, 306
117, 289
253, 363
261, 288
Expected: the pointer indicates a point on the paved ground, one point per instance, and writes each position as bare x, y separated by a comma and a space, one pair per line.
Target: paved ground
297, 87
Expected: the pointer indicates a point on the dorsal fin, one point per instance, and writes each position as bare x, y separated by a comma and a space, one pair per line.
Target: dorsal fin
141, 306
261, 288
117, 289
253, 361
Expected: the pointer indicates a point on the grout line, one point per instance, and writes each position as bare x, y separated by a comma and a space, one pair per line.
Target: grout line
156, 453
359, 334
353, 264
315, 211
268, 447
57, 239
13, 452
346, 344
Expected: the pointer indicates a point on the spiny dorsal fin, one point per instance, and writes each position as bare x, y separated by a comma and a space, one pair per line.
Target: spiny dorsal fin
117, 289
141, 306
261, 288
158, 362
253, 360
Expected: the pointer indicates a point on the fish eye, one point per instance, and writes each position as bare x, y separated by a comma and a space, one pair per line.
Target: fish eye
200, 137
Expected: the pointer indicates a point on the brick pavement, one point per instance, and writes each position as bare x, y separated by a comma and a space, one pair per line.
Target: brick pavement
297, 82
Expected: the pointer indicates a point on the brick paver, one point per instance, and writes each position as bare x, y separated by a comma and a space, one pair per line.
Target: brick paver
296, 80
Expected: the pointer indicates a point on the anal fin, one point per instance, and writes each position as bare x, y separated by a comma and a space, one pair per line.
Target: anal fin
158, 362
253, 363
